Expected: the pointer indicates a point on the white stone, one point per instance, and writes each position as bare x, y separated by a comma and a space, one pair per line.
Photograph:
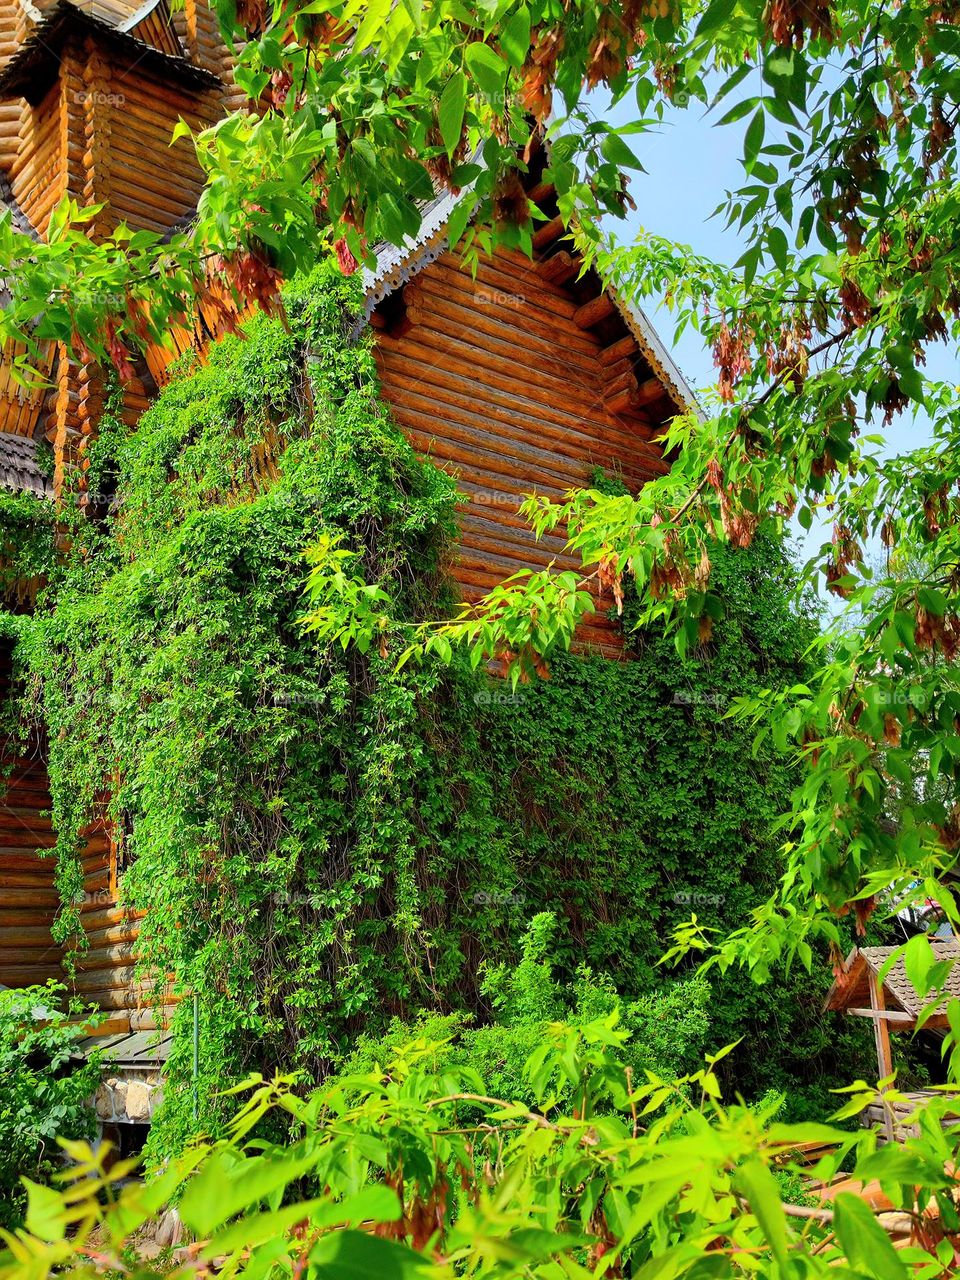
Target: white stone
103, 1101
138, 1101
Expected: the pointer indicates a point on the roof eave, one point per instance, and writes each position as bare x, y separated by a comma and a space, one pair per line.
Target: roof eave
42, 47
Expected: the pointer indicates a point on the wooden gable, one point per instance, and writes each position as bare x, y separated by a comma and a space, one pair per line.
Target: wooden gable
526, 378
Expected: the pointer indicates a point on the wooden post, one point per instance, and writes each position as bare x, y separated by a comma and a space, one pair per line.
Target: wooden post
881, 1033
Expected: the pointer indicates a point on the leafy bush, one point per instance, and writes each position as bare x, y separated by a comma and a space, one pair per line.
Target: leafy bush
417, 1170
664, 1032
45, 1088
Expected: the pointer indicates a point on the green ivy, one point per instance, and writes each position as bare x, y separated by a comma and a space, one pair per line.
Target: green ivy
322, 843
47, 1083
26, 541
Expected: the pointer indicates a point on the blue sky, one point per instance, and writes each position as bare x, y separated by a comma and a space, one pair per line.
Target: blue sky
690, 165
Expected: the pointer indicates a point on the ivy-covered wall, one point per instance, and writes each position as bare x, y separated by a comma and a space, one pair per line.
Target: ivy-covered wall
322, 843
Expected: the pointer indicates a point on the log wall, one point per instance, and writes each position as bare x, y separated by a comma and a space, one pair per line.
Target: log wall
148, 183
496, 381
28, 899
105, 973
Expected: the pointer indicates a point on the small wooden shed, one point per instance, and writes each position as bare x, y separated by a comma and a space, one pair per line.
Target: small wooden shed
893, 1005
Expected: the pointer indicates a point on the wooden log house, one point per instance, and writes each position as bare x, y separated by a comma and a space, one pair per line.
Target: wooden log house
528, 376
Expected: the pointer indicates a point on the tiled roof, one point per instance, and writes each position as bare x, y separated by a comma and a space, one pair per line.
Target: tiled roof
20, 468
851, 990
24, 74
897, 982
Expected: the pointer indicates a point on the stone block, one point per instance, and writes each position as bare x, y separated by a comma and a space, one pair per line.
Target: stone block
137, 1102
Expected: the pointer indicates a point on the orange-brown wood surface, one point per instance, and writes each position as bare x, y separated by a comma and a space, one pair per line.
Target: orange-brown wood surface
497, 382
28, 898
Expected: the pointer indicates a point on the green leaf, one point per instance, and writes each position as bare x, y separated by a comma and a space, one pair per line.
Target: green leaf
46, 1211
450, 112
488, 70
614, 149
227, 1185
753, 140
918, 960
737, 111
777, 244
355, 1255
375, 14
375, 1203
867, 1246
515, 36
760, 1188
717, 13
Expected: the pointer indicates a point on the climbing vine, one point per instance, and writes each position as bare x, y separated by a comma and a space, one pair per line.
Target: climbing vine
321, 842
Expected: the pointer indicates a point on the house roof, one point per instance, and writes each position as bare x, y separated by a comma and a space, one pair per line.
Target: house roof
19, 219
20, 467
30, 72
140, 1049
852, 988
396, 265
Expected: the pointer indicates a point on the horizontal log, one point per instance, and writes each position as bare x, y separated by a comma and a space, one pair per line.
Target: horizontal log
541, 192
635, 399
559, 268
106, 956
35, 916
622, 349
455, 392
454, 416
514, 314
29, 975
41, 897
547, 233
438, 352
499, 273
592, 312
21, 935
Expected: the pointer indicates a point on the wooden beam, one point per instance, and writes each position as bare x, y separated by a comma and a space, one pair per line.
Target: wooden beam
549, 232
887, 1015
559, 268
622, 349
594, 311
881, 1033
542, 191
623, 401
650, 390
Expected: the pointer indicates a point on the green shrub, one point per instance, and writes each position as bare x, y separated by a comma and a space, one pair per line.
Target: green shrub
664, 1032
320, 842
46, 1087
416, 1170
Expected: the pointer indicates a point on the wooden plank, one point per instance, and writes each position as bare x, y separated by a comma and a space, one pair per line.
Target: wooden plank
887, 1015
